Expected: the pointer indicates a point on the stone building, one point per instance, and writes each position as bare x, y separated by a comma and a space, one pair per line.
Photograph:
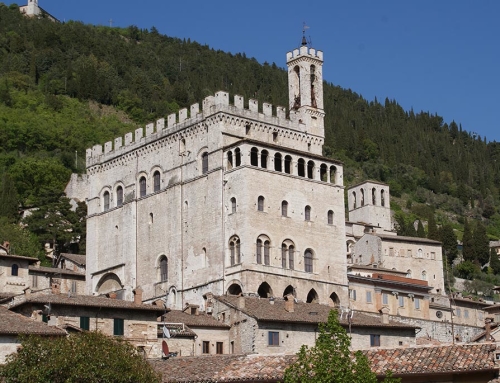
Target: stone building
13, 272
234, 198
32, 9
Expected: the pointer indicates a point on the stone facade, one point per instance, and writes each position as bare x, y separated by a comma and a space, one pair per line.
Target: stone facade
14, 278
222, 199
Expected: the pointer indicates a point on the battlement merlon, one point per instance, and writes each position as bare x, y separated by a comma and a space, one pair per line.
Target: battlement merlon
304, 51
210, 106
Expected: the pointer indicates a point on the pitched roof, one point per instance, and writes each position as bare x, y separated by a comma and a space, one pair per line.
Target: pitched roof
200, 320
76, 258
19, 257
273, 310
400, 238
406, 362
223, 368
176, 329
13, 324
433, 360
87, 301
54, 270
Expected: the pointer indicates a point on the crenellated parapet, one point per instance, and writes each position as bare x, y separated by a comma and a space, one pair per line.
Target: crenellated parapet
304, 52
263, 117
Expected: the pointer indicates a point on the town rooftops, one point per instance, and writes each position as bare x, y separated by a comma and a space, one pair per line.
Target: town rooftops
86, 301
375, 268
273, 310
400, 238
19, 257
403, 362
193, 320
76, 258
53, 270
14, 324
392, 280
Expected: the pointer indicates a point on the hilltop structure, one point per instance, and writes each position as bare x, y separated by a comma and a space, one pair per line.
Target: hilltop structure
226, 199
32, 9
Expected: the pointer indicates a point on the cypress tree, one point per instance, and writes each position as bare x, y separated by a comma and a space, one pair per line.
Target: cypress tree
481, 244
420, 230
468, 243
432, 231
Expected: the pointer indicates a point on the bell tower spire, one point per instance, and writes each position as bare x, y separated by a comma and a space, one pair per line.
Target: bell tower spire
305, 86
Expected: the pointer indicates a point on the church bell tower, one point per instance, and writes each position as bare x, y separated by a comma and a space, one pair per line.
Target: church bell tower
305, 87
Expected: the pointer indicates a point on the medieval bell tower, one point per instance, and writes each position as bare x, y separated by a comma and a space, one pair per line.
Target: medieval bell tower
305, 87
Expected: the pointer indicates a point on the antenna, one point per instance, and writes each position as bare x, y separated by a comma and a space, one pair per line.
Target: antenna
305, 41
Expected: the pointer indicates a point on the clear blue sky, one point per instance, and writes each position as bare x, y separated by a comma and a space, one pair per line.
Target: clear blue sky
437, 56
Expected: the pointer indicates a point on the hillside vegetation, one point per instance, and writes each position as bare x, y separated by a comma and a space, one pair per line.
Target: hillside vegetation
65, 87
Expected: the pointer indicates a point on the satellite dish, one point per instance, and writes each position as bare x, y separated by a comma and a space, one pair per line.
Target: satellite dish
164, 347
439, 314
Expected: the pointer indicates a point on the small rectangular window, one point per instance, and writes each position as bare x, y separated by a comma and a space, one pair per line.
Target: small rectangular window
118, 327
45, 318
433, 255
206, 347
391, 251
401, 301
368, 297
73, 287
219, 348
409, 253
480, 315
85, 323
417, 303
466, 314
458, 313
274, 338
374, 340
352, 294
231, 347
34, 281
385, 299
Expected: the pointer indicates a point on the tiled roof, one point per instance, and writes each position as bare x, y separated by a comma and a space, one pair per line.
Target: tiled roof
371, 267
29, 259
262, 309
405, 362
433, 360
87, 301
12, 323
76, 258
223, 368
176, 330
465, 300
400, 238
54, 270
200, 320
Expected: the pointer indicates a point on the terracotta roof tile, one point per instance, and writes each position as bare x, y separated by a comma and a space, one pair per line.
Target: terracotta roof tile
176, 330
54, 270
29, 259
87, 300
12, 323
262, 309
76, 258
200, 320
270, 368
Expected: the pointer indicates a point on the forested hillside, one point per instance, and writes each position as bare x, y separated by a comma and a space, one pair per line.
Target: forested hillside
65, 87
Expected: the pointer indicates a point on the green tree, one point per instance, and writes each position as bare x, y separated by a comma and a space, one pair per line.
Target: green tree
494, 261
468, 243
86, 357
481, 244
432, 230
420, 230
9, 202
22, 242
330, 360
449, 240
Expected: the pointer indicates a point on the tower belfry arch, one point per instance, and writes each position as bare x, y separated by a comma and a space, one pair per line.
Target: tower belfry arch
305, 86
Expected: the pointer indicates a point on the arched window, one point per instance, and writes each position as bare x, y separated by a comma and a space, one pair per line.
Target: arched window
288, 164
323, 173
310, 169
362, 197
263, 159
267, 248
283, 255
308, 261
307, 213
354, 201
14, 270
156, 181
330, 217
284, 209
229, 160
382, 197
277, 162
374, 196
237, 153
291, 250
106, 200
258, 251
204, 163
260, 203
142, 186
301, 167
424, 275
254, 157
119, 196
234, 251
287, 250
408, 273
233, 205
163, 269
312, 296
333, 174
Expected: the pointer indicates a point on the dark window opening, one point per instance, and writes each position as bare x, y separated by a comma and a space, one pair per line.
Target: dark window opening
204, 163
301, 167
85, 323
247, 129
310, 169
288, 165
118, 327
119, 196
106, 200
284, 209
323, 173
275, 136
14, 270
205, 347
258, 251
234, 248
237, 153
233, 205
307, 213
156, 181
277, 162
274, 338
260, 203
283, 256
229, 160
263, 159
164, 269
330, 217
219, 348
142, 186
374, 196
291, 265
254, 157
267, 246
308, 261
333, 174
312, 296
374, 340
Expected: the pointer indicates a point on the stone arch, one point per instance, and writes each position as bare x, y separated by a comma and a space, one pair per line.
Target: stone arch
334, 300
289, 290
312, 296
254, 156
264, 290
234, 289
108, 283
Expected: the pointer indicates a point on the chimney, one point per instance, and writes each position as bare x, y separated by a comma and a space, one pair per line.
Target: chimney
384, 311
241, 302
138, 296
55, 288
112, 295
487, 327
6, 244
290, 303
